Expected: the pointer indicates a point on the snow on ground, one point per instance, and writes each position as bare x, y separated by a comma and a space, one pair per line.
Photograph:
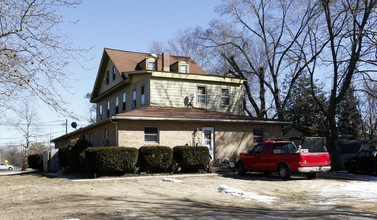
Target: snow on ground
355, 187
172, 180
246, 195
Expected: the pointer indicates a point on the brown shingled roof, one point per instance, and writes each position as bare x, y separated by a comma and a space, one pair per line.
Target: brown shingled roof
126, 61
187, 113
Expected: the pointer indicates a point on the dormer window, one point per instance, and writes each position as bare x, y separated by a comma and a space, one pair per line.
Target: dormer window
183, 68
152, 65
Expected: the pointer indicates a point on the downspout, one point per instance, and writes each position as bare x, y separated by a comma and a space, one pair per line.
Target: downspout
116, 132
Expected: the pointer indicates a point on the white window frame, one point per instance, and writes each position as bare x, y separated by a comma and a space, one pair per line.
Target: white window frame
152, 65
100, 112
200, 96
114, 72
221, 97
157, 135
124, 101
183, 68
108, 108
134, 98
116, 104
142, 96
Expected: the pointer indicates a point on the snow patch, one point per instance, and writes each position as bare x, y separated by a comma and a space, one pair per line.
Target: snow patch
246, 195
172, 180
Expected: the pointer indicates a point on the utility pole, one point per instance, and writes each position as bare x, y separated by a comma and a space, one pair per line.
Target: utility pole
66, 126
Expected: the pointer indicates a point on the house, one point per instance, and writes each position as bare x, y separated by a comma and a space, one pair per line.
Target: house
149, 99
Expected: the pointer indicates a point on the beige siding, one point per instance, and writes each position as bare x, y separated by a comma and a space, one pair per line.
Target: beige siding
168, 92
136, 82
112, 82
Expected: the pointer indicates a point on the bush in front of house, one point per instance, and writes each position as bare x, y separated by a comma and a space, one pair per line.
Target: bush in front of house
154, 159
35, 161
71, 155
111, 160
191, 158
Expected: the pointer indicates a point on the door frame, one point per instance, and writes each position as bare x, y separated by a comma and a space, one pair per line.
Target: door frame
212, 147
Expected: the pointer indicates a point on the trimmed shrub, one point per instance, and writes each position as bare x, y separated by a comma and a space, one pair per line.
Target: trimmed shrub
191, 158
155, 159
111, 160
35, 161
71, 155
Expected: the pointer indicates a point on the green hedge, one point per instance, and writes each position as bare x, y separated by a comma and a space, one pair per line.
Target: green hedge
71, 155
111, 160
191, 158
155, 159
35, 161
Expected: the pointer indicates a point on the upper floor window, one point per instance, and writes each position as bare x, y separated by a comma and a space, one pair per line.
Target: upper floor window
201, 92
152, 65
183, 68
106, 80
114, 72
117, 105
100, 112
124, 101
225, 100
134, 99
108, 109
142, 97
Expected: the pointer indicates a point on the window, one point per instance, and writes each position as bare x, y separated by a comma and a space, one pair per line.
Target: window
258, 135
100, 112
225, 97
284, 148
107, 78
151, 65
124, 101
201, 94
151, 135
266, 148
142, 97
106, 137
114, 72
117, 105
134, 99
257, 149
183, 68
108, 109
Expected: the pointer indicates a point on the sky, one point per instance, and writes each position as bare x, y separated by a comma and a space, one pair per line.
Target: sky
117, 24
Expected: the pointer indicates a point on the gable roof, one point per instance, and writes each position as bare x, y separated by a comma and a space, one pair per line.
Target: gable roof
127, 61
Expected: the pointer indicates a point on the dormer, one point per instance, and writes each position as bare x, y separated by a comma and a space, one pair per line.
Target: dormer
181, 66
149, 63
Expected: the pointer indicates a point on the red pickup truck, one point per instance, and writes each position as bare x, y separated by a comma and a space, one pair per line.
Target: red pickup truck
283, 157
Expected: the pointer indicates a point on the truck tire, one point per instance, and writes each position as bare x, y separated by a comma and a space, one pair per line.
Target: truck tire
312, 175
284, 171
241, 170
10, 168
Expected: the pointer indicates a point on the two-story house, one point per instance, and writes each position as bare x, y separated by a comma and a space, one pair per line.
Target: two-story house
148, 99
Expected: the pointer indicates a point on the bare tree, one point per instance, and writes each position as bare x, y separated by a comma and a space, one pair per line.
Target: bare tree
27, 126
369, 109
350, 28
34, 50
92, 107
259, 42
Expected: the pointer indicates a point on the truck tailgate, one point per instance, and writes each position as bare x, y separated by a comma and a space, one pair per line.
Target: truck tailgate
314, 159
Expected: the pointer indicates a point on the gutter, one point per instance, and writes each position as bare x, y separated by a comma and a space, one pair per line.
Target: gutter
116, 131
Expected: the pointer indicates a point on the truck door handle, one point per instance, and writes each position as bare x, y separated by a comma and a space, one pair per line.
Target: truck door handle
259, 157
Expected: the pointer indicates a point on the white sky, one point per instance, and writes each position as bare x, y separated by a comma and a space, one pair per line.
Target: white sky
125, 25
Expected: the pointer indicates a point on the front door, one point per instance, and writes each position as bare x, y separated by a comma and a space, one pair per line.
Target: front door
208, 140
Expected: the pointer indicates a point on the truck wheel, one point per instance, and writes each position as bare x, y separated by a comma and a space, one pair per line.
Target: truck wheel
284, 172
311, 175
241, 170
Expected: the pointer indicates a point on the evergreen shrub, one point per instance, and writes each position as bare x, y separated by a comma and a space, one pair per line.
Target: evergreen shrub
191, 158
155, 159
